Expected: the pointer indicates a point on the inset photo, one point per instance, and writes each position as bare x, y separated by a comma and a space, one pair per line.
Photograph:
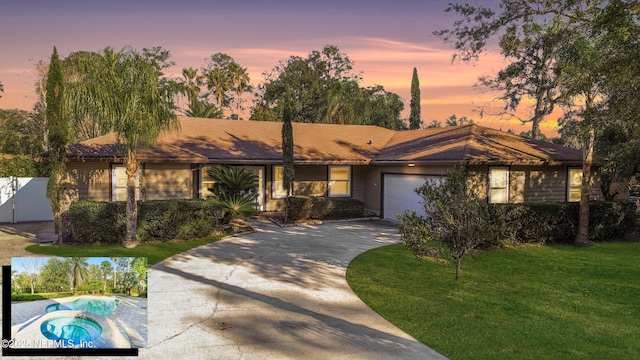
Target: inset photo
78, 302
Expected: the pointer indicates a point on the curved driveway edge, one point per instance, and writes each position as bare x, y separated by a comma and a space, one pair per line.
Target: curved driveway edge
279, 293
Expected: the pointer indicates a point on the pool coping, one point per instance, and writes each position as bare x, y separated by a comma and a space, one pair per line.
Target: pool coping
117, 332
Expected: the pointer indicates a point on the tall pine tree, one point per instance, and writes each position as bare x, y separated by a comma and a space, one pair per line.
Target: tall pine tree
58, 137
414, 117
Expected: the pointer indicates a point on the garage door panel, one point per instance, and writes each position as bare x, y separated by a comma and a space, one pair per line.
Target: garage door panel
399, 194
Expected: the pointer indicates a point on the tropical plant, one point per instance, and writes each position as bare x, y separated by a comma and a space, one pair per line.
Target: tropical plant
240, 81
235, 188
218, 82
191, 83
122, 88
79, 271
106, 269
203, 109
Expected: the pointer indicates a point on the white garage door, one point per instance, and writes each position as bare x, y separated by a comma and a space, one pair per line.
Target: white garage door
399, 194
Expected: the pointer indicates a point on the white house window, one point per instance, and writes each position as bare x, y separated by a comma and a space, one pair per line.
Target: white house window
119, 181
278, 191
498, 185
339, 181
574, 184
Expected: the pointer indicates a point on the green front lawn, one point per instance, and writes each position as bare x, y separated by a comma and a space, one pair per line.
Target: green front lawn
529, 302
154, 251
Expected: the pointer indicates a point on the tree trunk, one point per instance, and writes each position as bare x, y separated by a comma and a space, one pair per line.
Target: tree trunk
132, 166
57, 223
582, 239
458, 268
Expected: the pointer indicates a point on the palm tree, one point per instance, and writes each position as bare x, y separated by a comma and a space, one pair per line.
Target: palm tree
79, 271
124, 91
239, 81
203, 109
115, 271
218, 82
105, 267
191, 84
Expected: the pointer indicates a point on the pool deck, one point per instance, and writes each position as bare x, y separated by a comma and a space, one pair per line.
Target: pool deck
130, 318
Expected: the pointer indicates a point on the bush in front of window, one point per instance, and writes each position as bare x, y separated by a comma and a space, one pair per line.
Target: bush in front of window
300, 208
95, 222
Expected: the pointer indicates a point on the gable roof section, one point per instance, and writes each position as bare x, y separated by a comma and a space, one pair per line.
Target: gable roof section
237, 142
473, 144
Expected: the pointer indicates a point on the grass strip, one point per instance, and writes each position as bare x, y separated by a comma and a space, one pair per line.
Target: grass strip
154, 251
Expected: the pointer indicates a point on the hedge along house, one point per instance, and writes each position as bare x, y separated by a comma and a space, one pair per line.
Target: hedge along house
378, 166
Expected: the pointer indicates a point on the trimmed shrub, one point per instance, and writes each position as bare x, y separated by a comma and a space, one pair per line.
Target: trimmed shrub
40, 296
105, 222
322, 208
558, 222
97, 222
611, 220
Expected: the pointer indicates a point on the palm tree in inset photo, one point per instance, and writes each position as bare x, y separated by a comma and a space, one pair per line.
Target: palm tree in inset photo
79, 271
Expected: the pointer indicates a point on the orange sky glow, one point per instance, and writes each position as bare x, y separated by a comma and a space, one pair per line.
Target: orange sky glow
384, 43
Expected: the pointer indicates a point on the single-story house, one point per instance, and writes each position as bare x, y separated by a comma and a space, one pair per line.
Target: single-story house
378, 166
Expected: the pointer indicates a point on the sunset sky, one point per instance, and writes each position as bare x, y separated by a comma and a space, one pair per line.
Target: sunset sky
384, 39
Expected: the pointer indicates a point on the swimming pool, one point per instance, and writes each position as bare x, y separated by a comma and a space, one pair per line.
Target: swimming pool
95, 305
71, 331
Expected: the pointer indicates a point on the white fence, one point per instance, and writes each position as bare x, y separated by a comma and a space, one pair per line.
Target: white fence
24, 199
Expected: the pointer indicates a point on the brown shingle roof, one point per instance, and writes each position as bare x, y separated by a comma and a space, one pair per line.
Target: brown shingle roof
231, 141
473, 144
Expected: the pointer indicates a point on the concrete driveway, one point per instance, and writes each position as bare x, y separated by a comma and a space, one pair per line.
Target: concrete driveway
279, 293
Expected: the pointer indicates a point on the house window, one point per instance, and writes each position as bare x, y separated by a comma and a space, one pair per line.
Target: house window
339, 181
574, 184
498, 185
278, 191
206, 183
119, 181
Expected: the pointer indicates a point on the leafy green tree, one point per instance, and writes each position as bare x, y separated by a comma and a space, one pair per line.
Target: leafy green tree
590, 49
311, 81
456, 220
58, 138
414, 116
453, 120
324, 89
79, 271
139, 267
54, 275
20, 134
